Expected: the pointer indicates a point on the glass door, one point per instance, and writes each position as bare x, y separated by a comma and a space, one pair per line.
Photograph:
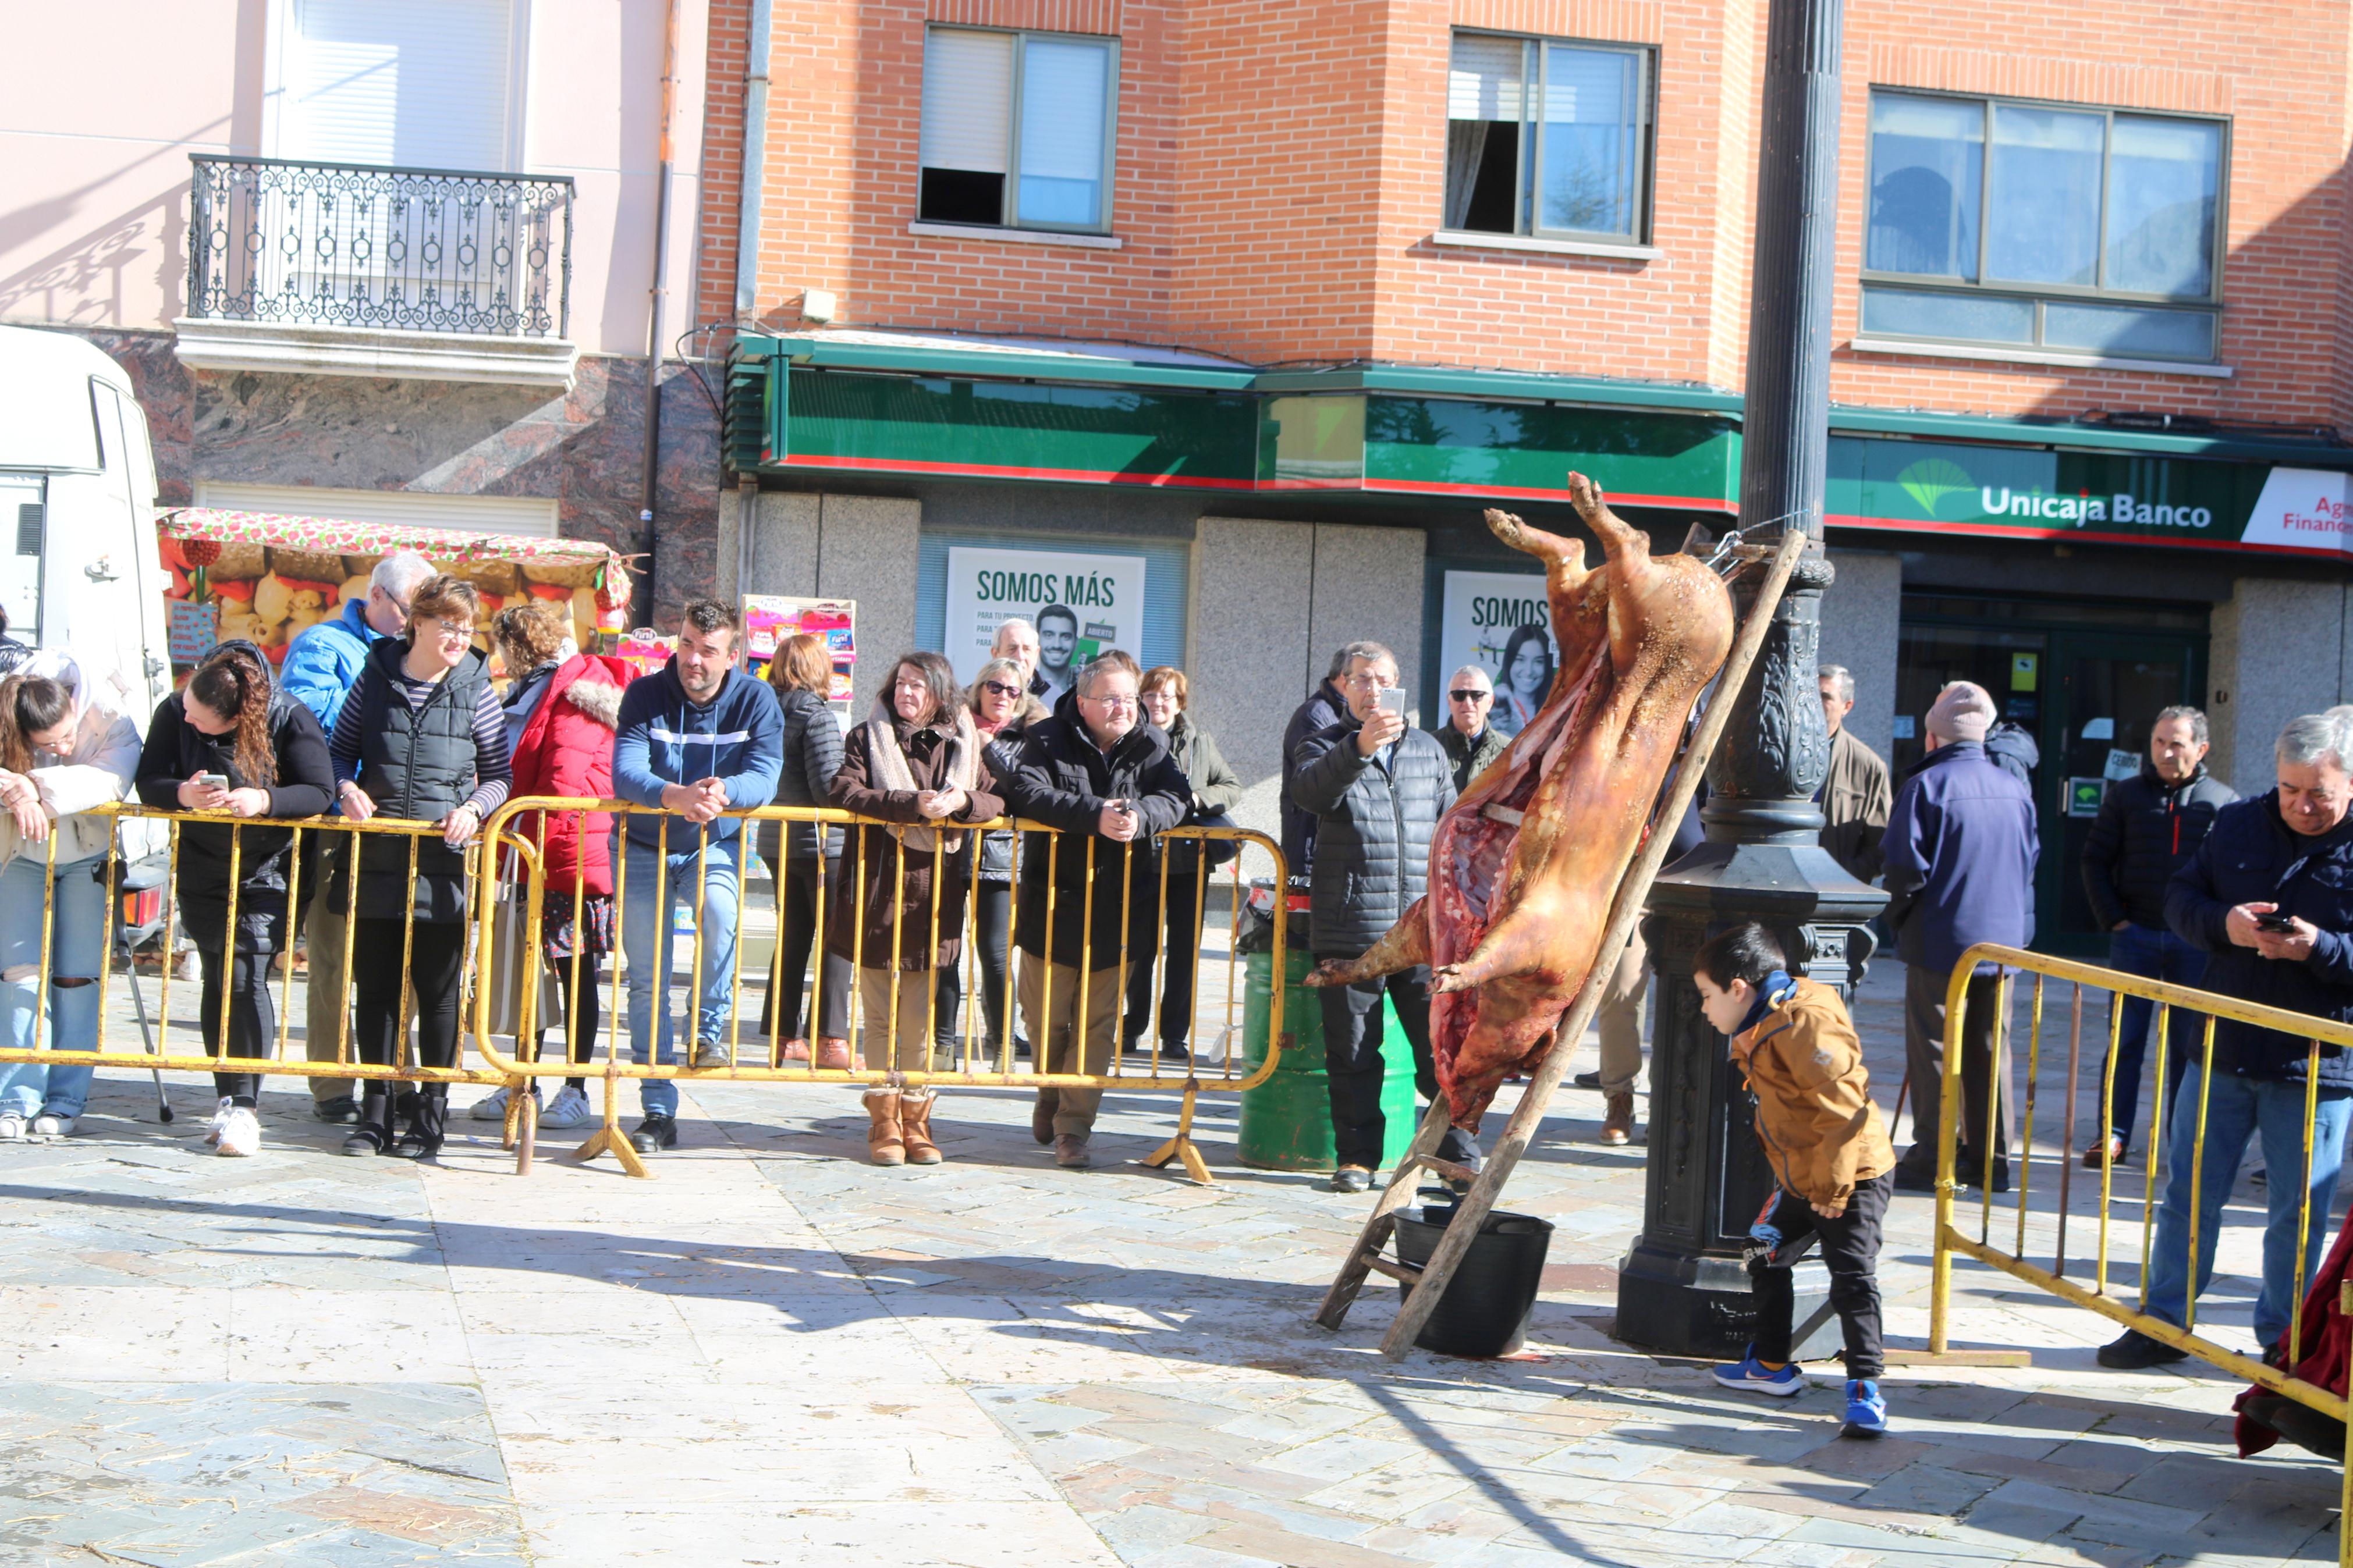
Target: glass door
2106, 694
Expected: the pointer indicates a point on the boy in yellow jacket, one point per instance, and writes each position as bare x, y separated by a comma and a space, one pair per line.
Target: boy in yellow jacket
1831, 1161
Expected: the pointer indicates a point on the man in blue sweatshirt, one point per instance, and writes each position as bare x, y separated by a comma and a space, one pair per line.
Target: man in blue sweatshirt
697, 738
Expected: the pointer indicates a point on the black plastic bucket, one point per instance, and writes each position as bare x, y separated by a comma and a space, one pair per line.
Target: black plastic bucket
1484, 1313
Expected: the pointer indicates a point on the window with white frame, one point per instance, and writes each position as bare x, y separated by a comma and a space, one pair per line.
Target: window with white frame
2044, 226
423, 84
1018, 128
1548, 138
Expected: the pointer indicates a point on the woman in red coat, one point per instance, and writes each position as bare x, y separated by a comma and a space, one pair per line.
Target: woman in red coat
563, 707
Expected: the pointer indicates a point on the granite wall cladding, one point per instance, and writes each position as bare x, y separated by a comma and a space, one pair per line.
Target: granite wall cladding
585, 448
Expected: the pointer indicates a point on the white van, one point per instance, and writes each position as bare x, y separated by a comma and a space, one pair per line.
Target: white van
78, 565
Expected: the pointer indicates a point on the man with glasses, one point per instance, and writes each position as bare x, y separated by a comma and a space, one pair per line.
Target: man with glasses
322, 666
1856, 794
1107, 780
1377, 788
1470, 740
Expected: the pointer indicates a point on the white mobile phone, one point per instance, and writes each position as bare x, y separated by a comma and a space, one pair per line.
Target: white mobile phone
216, 781
1392, 699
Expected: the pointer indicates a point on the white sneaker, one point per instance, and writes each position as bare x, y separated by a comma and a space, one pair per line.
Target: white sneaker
220, 1120
240, 1133
48, 1124
492, 1106
568, 1108
12, 1127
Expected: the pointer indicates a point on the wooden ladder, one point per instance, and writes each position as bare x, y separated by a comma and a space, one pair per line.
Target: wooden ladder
1633, 889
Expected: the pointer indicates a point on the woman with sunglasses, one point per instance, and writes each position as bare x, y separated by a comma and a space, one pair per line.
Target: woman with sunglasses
1002, 706
422, 739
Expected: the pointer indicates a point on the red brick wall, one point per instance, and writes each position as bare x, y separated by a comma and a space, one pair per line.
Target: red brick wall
1279, 171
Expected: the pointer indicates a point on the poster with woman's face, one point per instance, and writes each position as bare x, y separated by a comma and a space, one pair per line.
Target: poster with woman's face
1501, 622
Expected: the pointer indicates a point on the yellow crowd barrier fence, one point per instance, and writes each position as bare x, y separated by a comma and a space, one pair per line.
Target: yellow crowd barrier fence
2006, 1247
517, 984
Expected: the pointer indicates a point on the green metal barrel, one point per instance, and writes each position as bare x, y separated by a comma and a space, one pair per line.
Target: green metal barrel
1286, 1122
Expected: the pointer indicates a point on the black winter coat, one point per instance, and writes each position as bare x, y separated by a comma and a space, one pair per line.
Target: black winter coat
2146, 830
1328, 707
1061, 778
2251, 856
306, 783
416, 765
812, 756
1373, 827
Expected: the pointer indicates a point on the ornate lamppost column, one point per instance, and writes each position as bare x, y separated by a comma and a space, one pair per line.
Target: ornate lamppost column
1683, 1287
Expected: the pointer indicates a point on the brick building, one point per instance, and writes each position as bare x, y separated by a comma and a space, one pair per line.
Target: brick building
1248, 309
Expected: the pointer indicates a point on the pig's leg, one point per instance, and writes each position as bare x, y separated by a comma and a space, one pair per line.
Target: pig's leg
1407, 946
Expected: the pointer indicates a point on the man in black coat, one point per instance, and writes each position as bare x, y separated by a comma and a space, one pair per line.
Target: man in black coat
1377, 787
1326, 708
1097, 772
2269, 898
2149, 827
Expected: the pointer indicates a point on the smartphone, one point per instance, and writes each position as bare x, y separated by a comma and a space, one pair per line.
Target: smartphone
1392, 699
217, 780
2274, 920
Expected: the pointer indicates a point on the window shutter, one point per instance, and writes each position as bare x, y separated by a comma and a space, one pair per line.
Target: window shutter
1588, 87
1484, 82
1063, 110
530, 516
422, 84
968, 100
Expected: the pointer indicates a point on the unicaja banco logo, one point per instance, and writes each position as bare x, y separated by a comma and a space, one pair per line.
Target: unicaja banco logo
1931, 479
1933, 482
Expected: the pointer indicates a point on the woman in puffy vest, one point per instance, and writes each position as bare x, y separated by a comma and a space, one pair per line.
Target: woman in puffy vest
561, 711
421, 739
62, 751
231, 724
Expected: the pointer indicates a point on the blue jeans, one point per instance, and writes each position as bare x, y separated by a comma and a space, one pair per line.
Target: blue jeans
2240, 1107
30, 1088
2152, 952
646, 921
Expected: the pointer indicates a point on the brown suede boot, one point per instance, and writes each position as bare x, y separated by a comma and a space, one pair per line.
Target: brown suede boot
885, 1144
1618, 1123
915, 1126
832, 1052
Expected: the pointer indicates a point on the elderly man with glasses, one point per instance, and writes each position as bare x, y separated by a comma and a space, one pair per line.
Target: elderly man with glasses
1470, 740
1856, 794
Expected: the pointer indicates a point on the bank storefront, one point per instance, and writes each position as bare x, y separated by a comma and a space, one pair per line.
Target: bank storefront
1240, 523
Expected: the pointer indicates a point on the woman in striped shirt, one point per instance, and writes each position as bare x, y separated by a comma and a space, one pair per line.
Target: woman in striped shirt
421, 739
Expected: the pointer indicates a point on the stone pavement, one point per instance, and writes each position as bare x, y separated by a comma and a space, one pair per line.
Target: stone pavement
776, 1354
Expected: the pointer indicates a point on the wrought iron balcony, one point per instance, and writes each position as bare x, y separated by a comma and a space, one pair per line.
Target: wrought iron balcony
298, 245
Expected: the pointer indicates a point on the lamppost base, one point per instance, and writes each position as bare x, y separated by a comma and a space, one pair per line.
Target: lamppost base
1700, 1304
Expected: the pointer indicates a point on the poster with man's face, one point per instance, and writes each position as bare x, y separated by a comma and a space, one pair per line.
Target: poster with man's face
1081, 603
1501, 622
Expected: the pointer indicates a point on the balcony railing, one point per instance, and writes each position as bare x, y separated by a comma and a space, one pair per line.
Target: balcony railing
348, 245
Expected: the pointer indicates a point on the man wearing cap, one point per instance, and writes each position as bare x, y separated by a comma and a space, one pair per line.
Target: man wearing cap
1960, 852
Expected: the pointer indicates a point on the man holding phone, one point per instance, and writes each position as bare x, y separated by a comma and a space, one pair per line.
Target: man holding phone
2269, 898
1377, 788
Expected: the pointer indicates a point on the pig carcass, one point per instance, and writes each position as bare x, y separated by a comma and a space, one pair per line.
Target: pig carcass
1522, 869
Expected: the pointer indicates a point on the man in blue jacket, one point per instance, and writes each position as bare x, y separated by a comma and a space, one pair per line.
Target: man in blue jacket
1960, 852
696, 738
321, 667
2269, 898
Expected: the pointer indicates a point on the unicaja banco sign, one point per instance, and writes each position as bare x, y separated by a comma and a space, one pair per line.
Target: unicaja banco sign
1990, 490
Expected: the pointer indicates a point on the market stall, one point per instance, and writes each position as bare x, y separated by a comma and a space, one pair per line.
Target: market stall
269, 577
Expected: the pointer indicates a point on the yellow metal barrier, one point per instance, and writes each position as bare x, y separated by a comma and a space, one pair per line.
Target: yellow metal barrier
1950, 1238
967, 1061
312, 830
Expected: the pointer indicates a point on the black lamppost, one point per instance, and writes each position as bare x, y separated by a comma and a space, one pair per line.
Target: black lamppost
1683, 1287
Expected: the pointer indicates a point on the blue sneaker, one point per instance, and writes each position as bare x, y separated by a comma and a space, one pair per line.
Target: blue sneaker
1751, 1373
1866, 1412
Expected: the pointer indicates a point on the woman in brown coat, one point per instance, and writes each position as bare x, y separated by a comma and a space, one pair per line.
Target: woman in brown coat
916, 765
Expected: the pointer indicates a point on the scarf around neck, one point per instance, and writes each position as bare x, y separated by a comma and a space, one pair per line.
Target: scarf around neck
892, 771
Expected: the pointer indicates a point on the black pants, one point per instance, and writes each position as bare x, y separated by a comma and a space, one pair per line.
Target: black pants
1923, 1060
584, 1017
1851, 1251
993, 930
1353, 1068
781, 1015
437, 959
1183, 941
252, 1021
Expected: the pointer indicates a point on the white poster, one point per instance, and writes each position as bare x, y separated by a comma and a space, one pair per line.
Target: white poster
2308, 509
1501, 622
1081, 605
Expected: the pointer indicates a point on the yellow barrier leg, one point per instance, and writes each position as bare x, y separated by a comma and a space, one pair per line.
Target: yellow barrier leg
526, 1143
609, 1139
1182, 1146
518, 1090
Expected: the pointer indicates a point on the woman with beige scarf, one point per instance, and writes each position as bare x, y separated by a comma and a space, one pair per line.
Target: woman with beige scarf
915, 764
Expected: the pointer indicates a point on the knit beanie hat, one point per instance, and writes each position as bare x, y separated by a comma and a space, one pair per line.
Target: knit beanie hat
1962, 711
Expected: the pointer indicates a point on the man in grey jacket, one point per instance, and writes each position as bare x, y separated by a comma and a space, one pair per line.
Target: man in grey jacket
1377, 788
